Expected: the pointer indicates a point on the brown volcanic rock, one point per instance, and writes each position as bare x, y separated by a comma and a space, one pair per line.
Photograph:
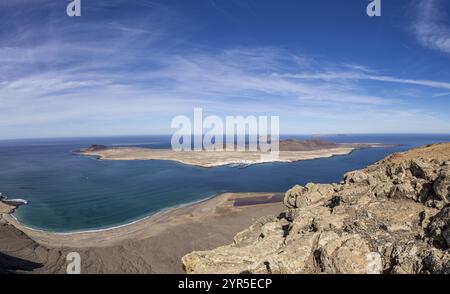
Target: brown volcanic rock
95, 147
441, 186
307, 145
391, 217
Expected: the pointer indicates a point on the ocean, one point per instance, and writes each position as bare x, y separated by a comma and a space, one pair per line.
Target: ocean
67, 192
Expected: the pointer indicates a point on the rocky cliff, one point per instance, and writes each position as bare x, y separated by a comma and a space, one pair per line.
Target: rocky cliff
392, 217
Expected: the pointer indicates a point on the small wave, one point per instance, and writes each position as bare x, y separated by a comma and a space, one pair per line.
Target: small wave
20, 201
16, 202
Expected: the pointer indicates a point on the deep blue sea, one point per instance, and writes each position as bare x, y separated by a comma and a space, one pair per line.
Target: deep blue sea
68, 192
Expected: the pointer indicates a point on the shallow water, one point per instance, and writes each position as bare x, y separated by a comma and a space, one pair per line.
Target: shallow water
68, 192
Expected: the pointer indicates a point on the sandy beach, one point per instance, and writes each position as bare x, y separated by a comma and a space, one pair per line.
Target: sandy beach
152, 245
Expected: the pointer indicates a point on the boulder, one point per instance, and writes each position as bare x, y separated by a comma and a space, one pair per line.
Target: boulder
437, 262
422, 169
252, 234
290, 197
312, 194
295, 258
396, 170
349, 255
406, 259
442, 186
404, 190
439, 227
352, 194
357, 177
446, 236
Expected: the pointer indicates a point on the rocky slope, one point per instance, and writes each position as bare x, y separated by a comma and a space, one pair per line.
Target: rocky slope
392, 217
21, 254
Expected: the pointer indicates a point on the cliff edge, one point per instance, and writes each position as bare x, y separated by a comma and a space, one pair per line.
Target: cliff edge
391, 217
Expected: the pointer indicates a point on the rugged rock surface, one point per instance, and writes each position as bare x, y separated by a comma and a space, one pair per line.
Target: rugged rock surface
392, 217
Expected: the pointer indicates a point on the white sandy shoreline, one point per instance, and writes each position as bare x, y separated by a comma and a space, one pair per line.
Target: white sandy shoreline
145, 227
156, 214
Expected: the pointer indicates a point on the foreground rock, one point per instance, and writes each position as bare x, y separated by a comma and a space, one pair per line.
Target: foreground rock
392, 217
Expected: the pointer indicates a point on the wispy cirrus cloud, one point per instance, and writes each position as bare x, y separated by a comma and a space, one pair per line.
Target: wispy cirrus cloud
358, 75
431, 27
229, 81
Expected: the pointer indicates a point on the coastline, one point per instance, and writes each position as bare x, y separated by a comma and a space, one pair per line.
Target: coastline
150, 226
171, 216
151, 246
139, 153
12, 219
206, 159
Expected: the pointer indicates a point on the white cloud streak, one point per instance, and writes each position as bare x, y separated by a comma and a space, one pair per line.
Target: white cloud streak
430, 28
329, 76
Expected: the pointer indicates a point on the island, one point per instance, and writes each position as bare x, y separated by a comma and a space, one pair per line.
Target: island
289, 151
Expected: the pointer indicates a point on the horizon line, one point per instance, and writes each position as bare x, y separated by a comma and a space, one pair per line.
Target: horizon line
169, 135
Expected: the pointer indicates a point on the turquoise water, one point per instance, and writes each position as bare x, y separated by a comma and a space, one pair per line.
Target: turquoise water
68, 192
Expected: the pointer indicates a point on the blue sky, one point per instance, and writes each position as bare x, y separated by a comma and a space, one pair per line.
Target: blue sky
128, 67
